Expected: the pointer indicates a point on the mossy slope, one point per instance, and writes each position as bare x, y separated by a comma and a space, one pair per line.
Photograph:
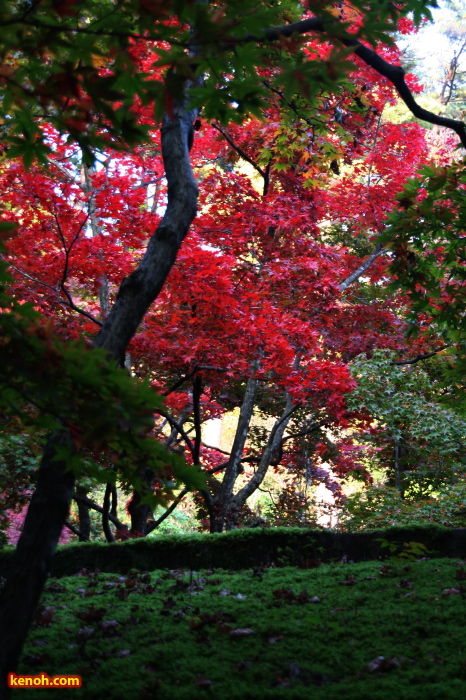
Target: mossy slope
171, 635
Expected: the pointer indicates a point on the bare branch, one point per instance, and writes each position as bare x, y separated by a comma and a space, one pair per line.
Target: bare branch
168, 512
362, 268
75, 531
177, 427
240, 151
94, 506
418, 358
71, 304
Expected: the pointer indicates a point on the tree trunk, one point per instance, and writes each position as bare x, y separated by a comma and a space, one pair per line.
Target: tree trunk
44, 521
399, 468
140, 512
221, 502
107, 530
273, 444
50, 503
83, 514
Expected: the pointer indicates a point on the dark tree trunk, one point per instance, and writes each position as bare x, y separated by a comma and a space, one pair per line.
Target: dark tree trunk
83, 514
107, 530
46, 515
140, 512
114, 506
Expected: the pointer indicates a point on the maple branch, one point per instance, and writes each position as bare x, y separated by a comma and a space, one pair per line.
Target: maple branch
180, 382
311, 24
141, 287
168, 512
267, 178
418, 358
240, 151
71, 304
362, 268
94, 506
75, 531
178, 428
311, 429
210, 368
217, 449
67, 250
219, 468
62, 169
78, 309
233, 465
395, 74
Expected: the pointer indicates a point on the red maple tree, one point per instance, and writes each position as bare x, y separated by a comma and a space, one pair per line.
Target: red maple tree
258, 312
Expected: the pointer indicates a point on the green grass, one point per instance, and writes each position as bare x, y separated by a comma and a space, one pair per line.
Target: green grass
174, 634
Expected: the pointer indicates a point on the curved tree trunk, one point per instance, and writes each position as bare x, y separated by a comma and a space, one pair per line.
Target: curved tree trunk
273, 445
50, 503
221, 502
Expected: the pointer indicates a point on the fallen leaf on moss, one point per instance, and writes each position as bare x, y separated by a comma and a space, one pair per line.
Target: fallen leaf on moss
93, 614
383, 665
203, 682
43, 616
85, 633
37, 659
451, 591
404, 583
243, 665
110, 628
242, 632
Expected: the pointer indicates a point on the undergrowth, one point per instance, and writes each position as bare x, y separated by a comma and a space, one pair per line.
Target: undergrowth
364, 631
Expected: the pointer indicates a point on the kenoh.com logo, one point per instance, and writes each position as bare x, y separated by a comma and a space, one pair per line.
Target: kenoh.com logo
42, 680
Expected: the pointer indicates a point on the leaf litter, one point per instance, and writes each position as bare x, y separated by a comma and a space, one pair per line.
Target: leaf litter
348, 630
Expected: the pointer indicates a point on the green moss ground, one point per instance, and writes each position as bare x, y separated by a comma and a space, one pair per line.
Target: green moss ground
175, 634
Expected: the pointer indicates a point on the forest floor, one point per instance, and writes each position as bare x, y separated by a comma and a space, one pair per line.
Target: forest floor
369, 631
